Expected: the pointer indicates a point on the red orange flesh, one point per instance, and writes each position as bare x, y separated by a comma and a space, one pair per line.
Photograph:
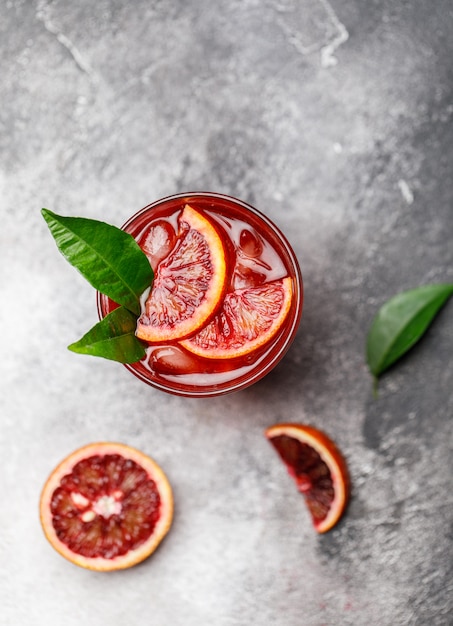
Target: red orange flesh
318, 468
107, 506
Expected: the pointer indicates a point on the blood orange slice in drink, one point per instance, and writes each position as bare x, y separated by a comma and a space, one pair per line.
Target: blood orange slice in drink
318, 468
189, 283
107, 506
248, 319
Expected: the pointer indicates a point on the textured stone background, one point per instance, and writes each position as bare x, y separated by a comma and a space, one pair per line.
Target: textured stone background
333, 118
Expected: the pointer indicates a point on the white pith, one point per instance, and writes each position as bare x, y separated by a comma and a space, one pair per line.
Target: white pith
107, 506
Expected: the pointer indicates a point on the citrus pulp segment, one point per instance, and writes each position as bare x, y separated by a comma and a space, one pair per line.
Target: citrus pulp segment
248, 319
318, 468
188, 284
107, 506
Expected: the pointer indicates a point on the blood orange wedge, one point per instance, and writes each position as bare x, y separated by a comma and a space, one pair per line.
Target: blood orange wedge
249, 318
318, 468
106, 507
189, 283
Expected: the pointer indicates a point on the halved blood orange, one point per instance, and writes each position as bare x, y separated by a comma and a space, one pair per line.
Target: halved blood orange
189, 283
318, 468
107, 506
248, 319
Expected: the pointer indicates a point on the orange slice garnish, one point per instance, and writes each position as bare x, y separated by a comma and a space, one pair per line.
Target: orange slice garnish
318, 468
107, 506
189, 283
248, 319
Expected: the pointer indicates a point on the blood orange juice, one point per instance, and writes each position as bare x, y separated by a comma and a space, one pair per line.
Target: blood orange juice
227, 295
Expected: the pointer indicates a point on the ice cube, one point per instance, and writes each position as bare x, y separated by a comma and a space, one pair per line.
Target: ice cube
172, 360
158, 242
250, 243
245, 276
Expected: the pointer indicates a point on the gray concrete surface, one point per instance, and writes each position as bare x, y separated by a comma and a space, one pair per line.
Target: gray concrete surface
334, 117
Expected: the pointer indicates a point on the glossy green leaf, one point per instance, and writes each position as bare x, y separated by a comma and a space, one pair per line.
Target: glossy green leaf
110, 259
112, 338
401, 322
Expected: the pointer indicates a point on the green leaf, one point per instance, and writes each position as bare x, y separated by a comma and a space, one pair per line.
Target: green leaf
110, 259
112, 338
401, 322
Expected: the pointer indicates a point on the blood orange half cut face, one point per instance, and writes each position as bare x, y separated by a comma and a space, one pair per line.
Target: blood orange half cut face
107, 506
248, 319
189, 283
318, 468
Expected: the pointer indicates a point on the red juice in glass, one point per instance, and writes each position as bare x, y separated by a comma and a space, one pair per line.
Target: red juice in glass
227, 295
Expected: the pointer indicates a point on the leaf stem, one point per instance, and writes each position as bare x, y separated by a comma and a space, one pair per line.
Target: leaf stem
375, 387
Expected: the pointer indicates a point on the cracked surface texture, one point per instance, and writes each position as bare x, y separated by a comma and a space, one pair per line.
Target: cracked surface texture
335, 119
